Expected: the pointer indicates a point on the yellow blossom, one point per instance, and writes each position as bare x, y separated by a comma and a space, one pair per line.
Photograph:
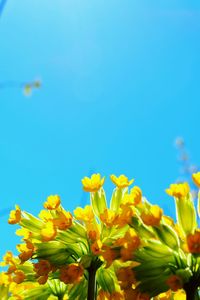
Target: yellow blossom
174, 282
15, 215
180, 295
24, 232
125, 215
103, 295
165, 296
109, 254
42, 279
63, 220
193, 242
45, 215
136, 193
108, 217
153, 216
26, 251
43, 267
84, 214
121, 181
53, 202
8, 259
92, 184
48, 232
126, 277
178, 190
196, 178
5, 279
96, 247
19, 276
71, 273
129, 243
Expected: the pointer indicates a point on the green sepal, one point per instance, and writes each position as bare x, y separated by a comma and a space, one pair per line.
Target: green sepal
117, 197
185, 274
198, 204
143, 230
53, 251
31, 223
4, 292
86, 261
186, 214
98, 202
167, 235
78, 291
105, 280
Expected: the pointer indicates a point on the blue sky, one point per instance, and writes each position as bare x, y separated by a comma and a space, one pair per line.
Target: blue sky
120, 83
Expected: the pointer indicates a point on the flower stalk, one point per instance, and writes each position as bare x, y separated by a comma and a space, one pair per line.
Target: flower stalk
191, 290
92, 284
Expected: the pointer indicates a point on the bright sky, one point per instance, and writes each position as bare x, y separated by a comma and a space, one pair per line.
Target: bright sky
120, 83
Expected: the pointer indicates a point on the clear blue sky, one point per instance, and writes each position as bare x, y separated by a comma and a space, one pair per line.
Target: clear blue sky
120, 82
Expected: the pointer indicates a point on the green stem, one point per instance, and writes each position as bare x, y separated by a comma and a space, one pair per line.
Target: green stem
92, 282
191, 291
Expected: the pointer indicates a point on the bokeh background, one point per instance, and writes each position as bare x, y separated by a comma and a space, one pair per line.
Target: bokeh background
120, 81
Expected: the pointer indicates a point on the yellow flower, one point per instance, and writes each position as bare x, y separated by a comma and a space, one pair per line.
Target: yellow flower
5, 279
42, 279
174, 282
196, 178
193, 242
180, 295
8, 259
104, 295
71, 273
92, 184
153, 216
134, 198
45, 215
43, 267
126, 277
178, 190
96, 247
125, 215
165, 296
136, 193
129, 243
63, 221
53, 202
49, 232
84, 214
26, 251
108, 217
24, 232
109, 254
19, 276
15, 215
121, 181
93, 235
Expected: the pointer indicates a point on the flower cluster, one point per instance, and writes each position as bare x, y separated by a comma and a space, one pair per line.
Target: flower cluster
125, 250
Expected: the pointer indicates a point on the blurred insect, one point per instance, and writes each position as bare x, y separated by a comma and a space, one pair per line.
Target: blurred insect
27, 87
187, 168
